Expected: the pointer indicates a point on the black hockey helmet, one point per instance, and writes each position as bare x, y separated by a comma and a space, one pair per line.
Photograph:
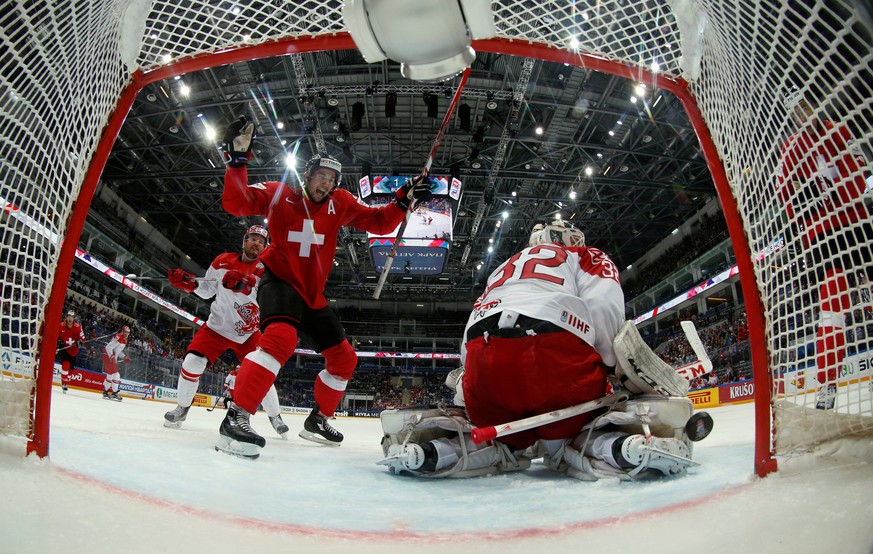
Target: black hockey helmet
326, 161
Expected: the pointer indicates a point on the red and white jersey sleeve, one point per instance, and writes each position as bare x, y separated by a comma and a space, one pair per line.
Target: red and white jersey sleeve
233, 315
69, 335
116, 347
576, 288
303, 233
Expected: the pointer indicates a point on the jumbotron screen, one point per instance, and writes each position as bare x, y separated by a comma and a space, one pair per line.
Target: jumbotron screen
425, 244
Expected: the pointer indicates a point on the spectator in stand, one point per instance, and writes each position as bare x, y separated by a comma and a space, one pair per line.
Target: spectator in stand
821, 183
72, 338
713, 379
113, 354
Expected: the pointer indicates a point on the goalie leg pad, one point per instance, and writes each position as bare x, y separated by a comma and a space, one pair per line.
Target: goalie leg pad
448, 432
591, 456
640, 370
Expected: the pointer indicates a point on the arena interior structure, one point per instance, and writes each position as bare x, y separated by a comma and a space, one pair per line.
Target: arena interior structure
626, 117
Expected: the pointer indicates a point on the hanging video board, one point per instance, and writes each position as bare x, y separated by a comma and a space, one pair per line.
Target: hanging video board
427, 239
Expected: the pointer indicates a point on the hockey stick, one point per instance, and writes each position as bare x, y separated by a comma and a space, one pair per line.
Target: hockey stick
133, 277
87, 341
482, 434
424, 172
218, 399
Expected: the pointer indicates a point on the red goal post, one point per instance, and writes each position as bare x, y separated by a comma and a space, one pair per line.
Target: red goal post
728, 62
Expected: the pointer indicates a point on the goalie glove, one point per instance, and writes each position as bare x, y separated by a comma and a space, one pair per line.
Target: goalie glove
238, 139
418, 190
238, 282
182, 280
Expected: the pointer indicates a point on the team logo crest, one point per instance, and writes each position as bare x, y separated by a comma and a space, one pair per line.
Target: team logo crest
250, 318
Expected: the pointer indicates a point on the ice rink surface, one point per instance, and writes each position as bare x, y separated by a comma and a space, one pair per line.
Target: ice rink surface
118, 481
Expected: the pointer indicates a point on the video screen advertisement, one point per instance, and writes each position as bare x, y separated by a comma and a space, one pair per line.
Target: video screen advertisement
425, 245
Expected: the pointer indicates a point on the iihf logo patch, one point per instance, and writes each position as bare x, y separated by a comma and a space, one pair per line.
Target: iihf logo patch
564, 316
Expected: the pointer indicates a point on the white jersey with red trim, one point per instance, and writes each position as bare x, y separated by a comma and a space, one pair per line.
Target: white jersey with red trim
230, 382
233, 315
576, 288
115, 347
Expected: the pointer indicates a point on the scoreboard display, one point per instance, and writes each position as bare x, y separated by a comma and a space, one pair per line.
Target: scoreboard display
427, 239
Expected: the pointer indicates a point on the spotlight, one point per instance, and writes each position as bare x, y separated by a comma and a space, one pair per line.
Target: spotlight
333, 102
391, 104
491, 103
432, 104
357, 116
464, 116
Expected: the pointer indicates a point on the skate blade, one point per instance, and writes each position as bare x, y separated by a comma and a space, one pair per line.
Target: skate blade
236, 448
171, 425
304, 434
283, 436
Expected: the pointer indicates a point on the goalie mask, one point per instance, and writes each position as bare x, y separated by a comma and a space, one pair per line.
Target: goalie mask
559, 232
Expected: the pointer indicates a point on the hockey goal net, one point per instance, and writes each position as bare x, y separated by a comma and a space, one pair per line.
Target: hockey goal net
70, 71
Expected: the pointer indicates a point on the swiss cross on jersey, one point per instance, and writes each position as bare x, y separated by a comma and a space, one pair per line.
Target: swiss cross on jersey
307, 237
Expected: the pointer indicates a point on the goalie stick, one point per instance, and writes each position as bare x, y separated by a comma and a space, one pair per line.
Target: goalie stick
424, 172
482, 434
703, 365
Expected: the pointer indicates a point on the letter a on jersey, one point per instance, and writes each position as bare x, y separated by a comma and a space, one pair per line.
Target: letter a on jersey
306, 237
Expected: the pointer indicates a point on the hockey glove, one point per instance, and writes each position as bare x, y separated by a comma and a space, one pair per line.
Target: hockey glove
418, 190
238, 139
239, 282
182, 280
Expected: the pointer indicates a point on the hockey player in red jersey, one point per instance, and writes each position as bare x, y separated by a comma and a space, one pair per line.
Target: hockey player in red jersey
541, 338
304, 223
72, 337
234, 316
821, 182
113, 354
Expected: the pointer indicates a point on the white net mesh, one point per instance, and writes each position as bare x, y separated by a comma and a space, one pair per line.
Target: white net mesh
66, 63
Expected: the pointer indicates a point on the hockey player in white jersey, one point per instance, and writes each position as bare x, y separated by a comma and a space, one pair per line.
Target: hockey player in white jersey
234, 318
542, 338
113, 354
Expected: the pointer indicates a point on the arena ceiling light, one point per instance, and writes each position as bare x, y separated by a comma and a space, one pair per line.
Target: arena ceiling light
392, 29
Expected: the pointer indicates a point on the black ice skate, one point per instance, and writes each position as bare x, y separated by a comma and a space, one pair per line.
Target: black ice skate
64, 388
106, 395
114, 396
237, 436
174, 418
280, 426
317, 429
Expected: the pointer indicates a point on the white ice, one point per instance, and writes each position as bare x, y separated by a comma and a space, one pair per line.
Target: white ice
118, 481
